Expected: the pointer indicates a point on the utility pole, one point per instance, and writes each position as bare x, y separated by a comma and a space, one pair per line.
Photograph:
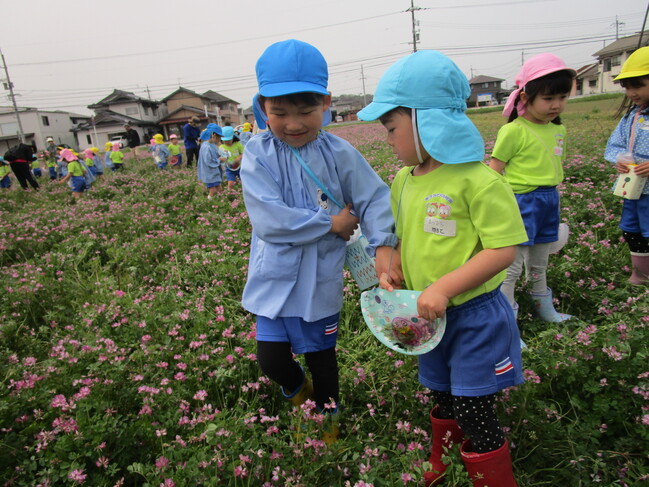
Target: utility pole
617, 28
363, 79
10, 87
148, 92
415, 33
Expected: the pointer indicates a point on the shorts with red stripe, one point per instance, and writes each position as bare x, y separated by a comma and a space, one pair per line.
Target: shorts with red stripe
304, 336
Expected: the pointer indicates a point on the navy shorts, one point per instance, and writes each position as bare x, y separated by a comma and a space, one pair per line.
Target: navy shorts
540, 212
304, 336
213, 185
480, 352
635, 216
78, 184
231, 175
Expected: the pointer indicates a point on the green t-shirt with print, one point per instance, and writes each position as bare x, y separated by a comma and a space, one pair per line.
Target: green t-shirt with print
235, 150
447, 216
75, 168
533, 154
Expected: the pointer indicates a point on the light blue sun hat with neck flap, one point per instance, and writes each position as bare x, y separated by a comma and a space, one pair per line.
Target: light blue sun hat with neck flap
436, 90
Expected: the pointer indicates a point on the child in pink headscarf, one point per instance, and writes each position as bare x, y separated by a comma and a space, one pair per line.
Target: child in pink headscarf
75, 175
117, 157
529, 152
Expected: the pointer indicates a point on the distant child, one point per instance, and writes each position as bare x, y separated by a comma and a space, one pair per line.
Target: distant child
5, 180
90, 160
62, 165
209, 160
99, 163
50, 161
176, 156
628, 149
246, 133
295, 277
108, 162
160, 151
235, 151
529, 152
36, 167
458, 227
75, 174
117, 157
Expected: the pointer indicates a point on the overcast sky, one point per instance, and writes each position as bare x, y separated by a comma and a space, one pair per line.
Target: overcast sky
67, 54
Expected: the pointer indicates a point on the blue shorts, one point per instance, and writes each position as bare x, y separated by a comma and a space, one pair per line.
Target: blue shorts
78, 184
52, 172
480, 352
231, 175
213, 185
37, 172
304, 336
5, 182
635, 216
162, 165
540, 212
93, 170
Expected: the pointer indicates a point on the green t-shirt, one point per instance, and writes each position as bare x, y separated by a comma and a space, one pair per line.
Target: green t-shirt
4, 170
75, 169
447, 216
235, 150
533, 154
174, 149
117, 157
89, 162
36, 165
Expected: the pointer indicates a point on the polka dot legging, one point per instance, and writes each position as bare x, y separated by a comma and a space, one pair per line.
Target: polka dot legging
637, 243
476, 416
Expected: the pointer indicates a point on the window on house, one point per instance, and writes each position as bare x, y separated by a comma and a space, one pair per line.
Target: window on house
154, 111
88, 139
616, 60
146, 111
592, 83
607, 65
485, 85
46, 120
131, 111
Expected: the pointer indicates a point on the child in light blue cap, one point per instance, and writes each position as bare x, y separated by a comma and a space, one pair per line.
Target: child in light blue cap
210, 159
295, 275
458, 225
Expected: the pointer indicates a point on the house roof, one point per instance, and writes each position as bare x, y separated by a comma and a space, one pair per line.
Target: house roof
481, 78
185, 90
120, 96
587, 70
108, 117
170, 116
623, 45
217, 97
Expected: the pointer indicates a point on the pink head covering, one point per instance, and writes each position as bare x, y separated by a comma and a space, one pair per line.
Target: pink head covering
89, 153
534, 68
67, 155
116, 147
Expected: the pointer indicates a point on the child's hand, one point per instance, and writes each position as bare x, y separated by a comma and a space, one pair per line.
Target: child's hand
432, 304
642, 169
344, 223
622, 167
388, 268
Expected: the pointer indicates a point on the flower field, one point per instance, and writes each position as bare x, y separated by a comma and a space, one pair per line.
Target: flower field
126, 359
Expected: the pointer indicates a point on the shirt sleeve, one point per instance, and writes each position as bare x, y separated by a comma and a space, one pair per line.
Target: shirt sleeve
617, 143
507, 143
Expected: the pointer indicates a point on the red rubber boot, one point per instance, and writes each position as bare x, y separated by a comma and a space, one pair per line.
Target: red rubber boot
446, 433
492, 469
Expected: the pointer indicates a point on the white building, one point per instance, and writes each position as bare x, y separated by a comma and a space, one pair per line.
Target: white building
612, 57
37, 126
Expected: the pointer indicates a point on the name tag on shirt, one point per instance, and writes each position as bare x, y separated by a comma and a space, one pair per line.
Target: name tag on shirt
443, 228
558, 150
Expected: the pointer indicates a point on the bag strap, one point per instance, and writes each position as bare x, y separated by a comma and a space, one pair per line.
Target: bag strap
315, 179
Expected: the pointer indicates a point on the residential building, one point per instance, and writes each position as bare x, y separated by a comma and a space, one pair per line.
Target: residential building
115, 110
486, 91
37, 125
587, 80
228, 110
611, 58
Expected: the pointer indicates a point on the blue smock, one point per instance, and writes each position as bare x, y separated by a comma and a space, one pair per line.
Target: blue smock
209, 165
296, 264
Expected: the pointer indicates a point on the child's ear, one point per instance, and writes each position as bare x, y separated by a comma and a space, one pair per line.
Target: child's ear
327, 101
524, 98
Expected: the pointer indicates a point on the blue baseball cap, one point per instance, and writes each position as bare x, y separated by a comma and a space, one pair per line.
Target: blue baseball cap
228, 133
211, 128
434, 87
291, 66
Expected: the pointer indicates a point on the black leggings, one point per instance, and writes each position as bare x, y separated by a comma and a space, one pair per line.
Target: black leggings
277, 363
637, 243
192, 154
476, 416
23, 173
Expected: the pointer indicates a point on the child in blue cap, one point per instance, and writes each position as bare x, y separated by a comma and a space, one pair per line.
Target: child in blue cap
209, 160
295, 275
458, 226
234, 149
